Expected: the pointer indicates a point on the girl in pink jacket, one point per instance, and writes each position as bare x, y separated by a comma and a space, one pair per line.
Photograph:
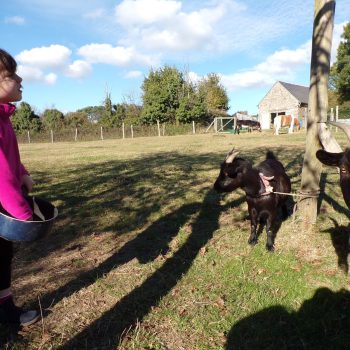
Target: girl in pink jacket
13, 176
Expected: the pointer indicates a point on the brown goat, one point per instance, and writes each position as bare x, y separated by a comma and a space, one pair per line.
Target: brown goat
258, 183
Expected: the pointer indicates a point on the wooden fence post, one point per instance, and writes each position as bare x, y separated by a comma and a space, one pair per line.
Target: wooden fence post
305, 117
336, 116
132, 131
123, 130
331, 118
51, 132
193, 127
28, 135
101, 133
76, 134
158, 128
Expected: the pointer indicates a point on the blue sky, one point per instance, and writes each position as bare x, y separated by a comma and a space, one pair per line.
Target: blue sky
70, 52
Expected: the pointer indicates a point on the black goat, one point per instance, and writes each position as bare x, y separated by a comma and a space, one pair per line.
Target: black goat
258, 183
341, 160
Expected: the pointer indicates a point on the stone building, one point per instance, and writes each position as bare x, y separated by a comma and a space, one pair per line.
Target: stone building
283, 98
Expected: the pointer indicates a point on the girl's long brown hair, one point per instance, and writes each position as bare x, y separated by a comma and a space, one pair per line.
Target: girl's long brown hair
7, 62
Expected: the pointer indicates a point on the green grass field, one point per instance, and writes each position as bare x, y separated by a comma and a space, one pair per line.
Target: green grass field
146, 256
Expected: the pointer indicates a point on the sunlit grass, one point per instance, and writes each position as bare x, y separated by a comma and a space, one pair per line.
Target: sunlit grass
145, 255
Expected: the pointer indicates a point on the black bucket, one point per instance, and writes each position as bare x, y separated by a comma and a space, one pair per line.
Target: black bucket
25, 231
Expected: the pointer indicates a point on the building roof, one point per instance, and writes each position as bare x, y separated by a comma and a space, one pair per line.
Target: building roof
301, 93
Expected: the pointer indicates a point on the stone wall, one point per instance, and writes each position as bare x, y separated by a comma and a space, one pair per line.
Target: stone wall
277, 100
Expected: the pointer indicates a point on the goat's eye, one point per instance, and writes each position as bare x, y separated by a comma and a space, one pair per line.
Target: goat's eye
343, 169
231, 175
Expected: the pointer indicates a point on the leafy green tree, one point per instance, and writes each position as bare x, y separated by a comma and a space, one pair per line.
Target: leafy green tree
94, 113
25, 119
120, 112
109, 117
36, 124
340, 71
343, 107
132, 113
76, 119
161, 93
213, 94
191, 108
52, 119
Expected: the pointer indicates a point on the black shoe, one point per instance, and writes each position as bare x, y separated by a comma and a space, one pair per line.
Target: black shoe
10, 313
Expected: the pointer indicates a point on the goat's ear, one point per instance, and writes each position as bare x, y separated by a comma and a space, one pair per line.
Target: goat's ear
242, 169
329, 158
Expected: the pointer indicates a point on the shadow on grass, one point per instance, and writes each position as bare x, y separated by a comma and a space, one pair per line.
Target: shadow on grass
331, 201
117, 196
121, 196
340, 234
321, 323
134, 192
147, 246
105, 333
340, 240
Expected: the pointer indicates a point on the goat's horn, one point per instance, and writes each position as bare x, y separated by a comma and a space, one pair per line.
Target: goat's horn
231, 156
343, 126
229, 153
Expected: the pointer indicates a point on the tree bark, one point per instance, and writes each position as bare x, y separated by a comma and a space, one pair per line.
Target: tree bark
318, 105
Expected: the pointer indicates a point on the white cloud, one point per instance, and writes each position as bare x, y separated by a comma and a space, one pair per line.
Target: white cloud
143, 12
119, 55
284, 61
163, 25
29, 73
34, 74
18, 20
78, 69
34, 62
45, 57
50, 78
133, 74
281, 65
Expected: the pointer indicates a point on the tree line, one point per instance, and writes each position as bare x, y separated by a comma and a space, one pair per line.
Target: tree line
168, 96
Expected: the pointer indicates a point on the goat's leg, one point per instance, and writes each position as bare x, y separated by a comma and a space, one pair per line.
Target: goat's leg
284, 211
270, 234
253, 238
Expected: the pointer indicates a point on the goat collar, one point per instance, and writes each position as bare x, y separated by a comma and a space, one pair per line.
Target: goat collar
266, 184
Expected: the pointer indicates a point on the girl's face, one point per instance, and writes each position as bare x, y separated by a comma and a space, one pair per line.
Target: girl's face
10, 87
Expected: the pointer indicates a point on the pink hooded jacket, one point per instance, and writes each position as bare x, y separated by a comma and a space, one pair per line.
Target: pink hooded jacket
11, 168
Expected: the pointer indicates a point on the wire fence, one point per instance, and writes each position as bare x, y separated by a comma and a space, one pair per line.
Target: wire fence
94, 133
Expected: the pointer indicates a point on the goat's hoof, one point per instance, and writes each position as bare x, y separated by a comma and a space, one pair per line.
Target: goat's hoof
252, 241
270, 248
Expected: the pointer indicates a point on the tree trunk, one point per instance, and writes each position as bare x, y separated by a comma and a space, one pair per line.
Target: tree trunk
318, 105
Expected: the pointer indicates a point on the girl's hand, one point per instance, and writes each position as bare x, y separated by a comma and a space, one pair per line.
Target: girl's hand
28, 182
